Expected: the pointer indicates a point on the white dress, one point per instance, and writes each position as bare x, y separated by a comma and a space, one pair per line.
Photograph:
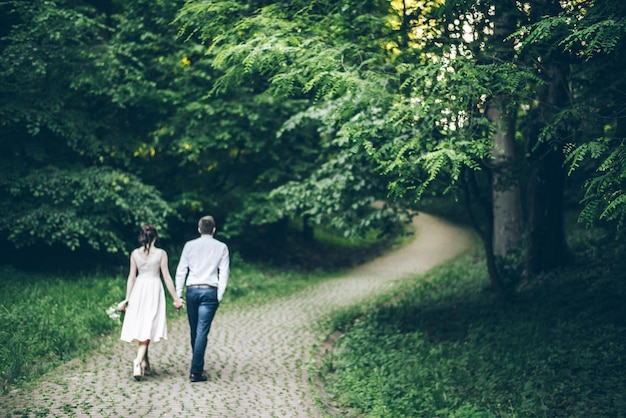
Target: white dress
145, 312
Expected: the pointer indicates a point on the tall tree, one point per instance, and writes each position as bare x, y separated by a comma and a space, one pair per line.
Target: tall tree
587, 39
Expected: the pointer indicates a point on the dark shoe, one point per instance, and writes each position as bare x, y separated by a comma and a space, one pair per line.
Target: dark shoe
197, 377
145, 365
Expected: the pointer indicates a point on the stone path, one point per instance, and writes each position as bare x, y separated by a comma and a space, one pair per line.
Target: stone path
256, 360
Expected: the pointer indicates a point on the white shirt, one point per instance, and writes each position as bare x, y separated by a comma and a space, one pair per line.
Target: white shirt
204, 260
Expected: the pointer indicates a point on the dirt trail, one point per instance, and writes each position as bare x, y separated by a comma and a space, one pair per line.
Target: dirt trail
256, 358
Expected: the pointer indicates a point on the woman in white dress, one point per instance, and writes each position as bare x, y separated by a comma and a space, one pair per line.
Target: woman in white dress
144, 305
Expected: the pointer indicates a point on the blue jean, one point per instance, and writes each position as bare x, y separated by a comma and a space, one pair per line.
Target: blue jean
202, 305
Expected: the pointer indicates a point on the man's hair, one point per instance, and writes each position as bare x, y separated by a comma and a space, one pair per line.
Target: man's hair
206, 225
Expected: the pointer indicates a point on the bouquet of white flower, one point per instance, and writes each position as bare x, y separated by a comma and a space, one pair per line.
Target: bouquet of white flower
114, 313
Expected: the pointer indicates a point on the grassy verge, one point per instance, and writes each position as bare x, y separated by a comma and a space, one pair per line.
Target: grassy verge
46, 320
448, 348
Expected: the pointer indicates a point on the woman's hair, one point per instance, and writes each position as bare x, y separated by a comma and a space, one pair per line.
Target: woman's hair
147, 234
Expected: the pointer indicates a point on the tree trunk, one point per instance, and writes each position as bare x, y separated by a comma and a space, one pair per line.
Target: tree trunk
546, 247
472, 195
507, 207
308, 232
506, 197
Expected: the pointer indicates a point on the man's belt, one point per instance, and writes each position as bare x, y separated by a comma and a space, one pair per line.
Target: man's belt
207, 286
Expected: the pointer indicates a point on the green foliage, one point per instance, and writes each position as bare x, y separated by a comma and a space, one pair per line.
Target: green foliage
66, 175
95, 206
278, 52
119, 94
446, 349
592, 35
261, 111
604, 197
289, 247
338, 199
587, 30
439, 131
598, 37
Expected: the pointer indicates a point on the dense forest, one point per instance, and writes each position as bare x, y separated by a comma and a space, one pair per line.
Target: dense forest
270, 114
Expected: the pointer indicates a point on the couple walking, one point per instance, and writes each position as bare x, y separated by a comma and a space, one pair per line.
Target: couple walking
203, 270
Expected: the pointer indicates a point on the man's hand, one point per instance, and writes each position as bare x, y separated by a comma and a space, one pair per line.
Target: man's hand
179, 303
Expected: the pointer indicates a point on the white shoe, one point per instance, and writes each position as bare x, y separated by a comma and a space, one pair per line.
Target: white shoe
137, 369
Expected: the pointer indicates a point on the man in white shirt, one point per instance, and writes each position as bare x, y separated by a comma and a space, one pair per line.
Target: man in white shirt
203, 268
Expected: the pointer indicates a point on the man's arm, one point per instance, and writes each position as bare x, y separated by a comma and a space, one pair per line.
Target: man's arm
223, 273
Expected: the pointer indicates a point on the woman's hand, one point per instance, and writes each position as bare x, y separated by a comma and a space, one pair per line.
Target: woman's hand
122, 305
179, 303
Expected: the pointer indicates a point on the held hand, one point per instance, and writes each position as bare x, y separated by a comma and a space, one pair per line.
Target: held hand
179, 303
122, 305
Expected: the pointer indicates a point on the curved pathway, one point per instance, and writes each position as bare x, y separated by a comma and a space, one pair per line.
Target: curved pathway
256, 359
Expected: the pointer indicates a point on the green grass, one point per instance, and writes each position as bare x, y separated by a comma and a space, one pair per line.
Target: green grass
46, 320
448, 348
